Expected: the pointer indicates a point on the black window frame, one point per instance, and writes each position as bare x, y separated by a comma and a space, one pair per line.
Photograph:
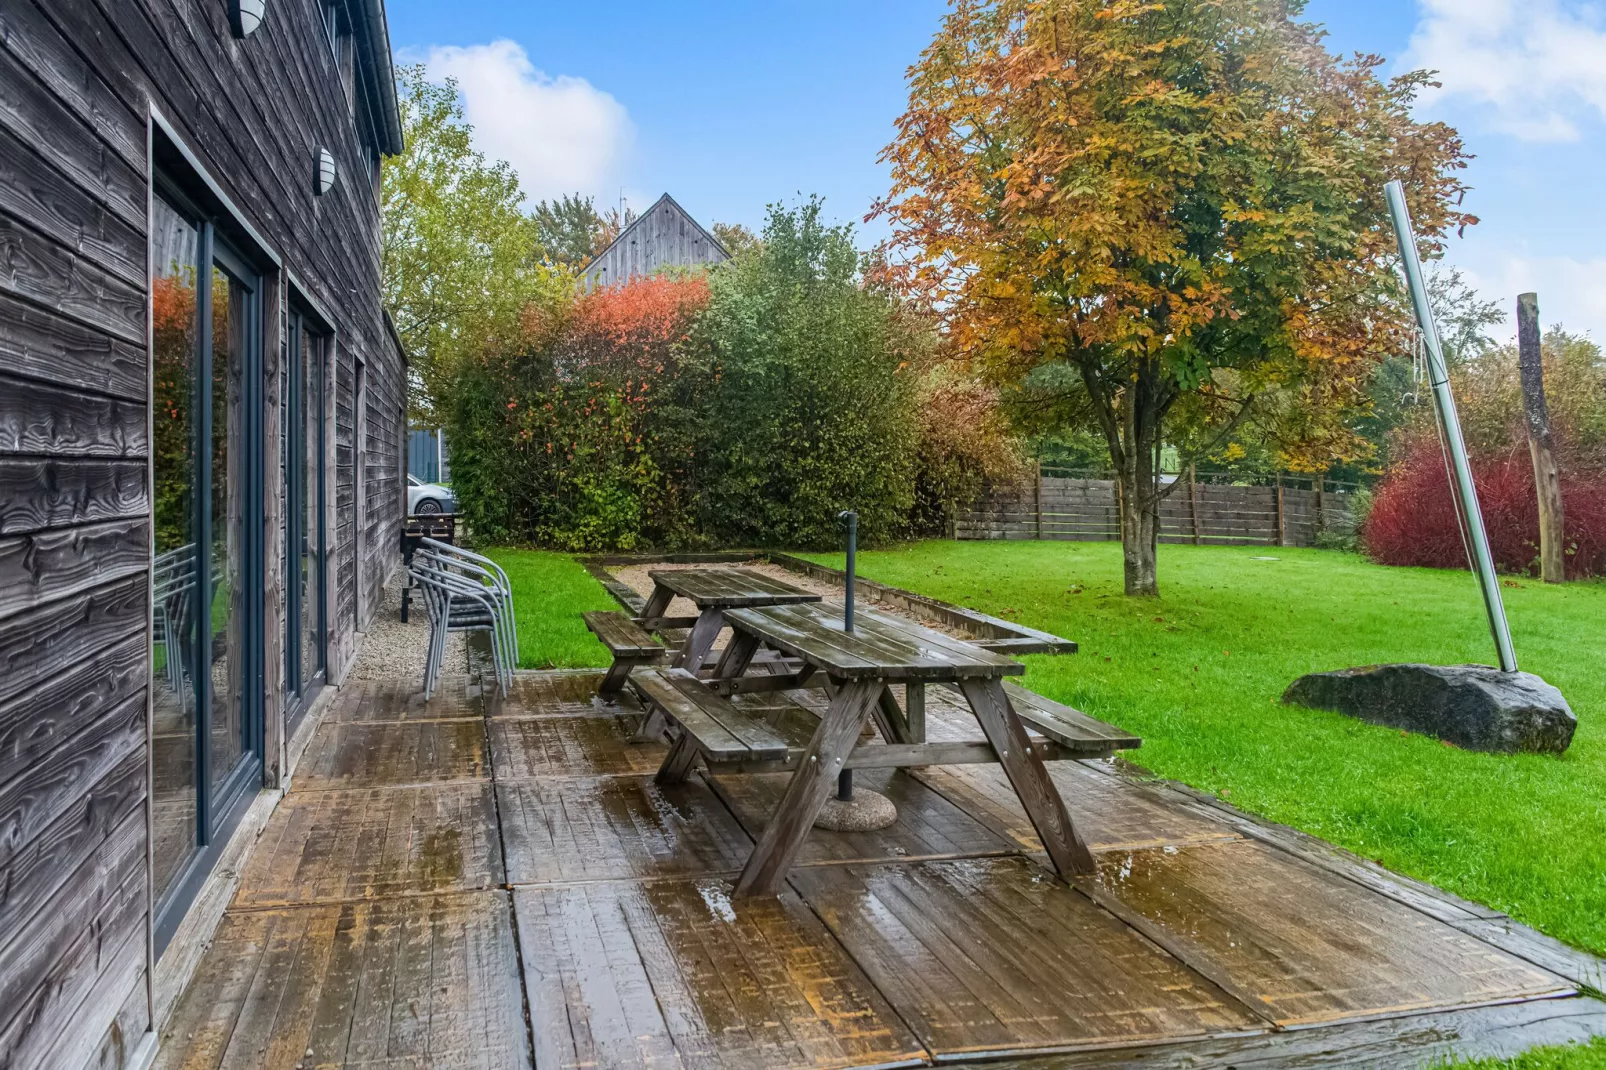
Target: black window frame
302, 320
218, 813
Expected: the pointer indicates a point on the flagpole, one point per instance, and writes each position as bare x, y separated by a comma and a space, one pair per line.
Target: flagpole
1444, 401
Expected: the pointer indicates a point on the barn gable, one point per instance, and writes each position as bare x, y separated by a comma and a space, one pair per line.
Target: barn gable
665, 235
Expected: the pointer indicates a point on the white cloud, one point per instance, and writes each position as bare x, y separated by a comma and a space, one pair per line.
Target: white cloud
1571, 292
1538, 66
561, 134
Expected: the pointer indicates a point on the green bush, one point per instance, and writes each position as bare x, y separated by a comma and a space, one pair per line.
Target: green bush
804, 388
744, 407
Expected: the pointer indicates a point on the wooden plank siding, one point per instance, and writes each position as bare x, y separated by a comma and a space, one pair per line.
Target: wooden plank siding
84, 89
1056, 507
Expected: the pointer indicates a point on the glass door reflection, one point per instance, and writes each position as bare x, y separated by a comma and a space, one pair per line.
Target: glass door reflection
175, 583
205, 640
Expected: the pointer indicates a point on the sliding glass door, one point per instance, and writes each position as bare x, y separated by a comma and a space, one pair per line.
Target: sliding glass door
302, 442
206, 587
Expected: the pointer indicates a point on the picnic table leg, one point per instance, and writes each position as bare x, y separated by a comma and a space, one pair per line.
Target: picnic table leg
914, 710
613, 681
700, 641
1028, 776
737, 657
658, 601
652, 726
678, 762
889, 718
811, 785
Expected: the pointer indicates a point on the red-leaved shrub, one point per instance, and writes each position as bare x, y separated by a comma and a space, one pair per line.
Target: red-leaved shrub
1413, 516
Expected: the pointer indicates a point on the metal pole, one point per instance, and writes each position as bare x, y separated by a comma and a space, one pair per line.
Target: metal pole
844, 780
1439, 377
851, 519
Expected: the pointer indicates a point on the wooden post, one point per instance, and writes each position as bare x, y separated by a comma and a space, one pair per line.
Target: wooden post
1193, 501
1037, 495
1282, 527
1321, 503
1547, 477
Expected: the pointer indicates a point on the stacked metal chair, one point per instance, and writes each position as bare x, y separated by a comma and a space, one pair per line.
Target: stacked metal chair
464, 591
172, 584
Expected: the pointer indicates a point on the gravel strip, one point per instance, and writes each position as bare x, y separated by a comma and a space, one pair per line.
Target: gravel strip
393, 650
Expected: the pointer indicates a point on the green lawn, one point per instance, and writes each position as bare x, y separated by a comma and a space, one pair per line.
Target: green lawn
550, 591
1198, 674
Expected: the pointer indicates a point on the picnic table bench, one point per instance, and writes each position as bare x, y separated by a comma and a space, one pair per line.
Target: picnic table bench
629, 644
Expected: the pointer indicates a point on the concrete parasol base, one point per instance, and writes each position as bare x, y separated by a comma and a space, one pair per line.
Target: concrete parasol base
865, 812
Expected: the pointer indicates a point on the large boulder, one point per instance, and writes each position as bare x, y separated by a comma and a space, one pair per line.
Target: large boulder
1472, 706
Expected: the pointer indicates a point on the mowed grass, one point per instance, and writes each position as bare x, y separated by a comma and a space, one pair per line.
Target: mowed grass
1557, 1057
550, 591
1198, 673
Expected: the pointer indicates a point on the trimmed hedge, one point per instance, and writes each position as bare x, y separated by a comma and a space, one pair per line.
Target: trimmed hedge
1413, 519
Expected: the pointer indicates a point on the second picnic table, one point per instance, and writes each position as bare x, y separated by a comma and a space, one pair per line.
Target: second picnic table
713, 590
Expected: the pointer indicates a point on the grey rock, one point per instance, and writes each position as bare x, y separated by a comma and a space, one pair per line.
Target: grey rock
1472, 706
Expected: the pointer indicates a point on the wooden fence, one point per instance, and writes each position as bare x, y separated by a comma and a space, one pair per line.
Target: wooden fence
1215, 513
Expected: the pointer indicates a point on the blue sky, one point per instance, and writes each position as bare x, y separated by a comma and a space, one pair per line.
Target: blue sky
730, 106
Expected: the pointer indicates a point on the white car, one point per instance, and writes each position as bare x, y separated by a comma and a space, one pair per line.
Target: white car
427, 499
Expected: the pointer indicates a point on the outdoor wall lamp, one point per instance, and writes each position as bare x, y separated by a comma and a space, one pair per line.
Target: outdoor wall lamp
326, 172
246, 15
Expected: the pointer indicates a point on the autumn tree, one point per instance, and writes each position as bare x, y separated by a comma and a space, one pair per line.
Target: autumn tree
571, 230
735, 237
461, 259
1168, 207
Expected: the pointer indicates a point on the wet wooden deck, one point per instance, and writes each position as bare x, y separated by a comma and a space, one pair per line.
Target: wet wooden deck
481, 882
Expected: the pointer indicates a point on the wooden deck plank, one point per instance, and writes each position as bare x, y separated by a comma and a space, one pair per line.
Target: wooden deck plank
333, 846
455, 698
928, 825
1111, 812
970, 977
392, 754
673, 973
608, 828
407, 982
570, 746
557, 694
1300, 945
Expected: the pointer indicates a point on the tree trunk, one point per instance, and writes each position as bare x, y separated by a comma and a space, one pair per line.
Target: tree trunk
1140, 536
1140, 521
1131, 413
1547, 476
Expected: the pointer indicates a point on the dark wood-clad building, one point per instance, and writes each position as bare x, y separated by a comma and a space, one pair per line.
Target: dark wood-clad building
201, 468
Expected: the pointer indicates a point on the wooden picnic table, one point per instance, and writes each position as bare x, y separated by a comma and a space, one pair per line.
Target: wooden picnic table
860, 664
713, 590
